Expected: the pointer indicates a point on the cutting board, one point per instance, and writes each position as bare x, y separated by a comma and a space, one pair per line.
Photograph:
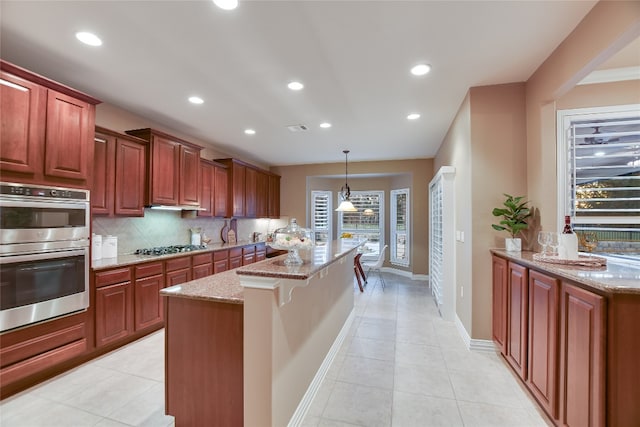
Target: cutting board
231, 236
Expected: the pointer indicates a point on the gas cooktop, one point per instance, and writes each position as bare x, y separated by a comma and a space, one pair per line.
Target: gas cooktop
163, 250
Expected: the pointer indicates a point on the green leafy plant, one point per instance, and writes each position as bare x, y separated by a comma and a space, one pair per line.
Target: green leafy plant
514, 215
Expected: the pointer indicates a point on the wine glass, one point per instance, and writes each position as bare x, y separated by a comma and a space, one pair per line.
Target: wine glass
589, 240
554, 242
544, 239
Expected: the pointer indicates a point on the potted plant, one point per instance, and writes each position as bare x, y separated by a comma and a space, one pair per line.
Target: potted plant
514, 215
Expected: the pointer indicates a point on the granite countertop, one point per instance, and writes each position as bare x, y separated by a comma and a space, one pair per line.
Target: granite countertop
618, 276
130, 259
226, 287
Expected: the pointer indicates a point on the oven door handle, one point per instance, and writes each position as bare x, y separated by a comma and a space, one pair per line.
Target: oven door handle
37, 256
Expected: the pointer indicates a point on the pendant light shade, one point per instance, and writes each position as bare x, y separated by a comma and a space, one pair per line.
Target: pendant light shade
345, 191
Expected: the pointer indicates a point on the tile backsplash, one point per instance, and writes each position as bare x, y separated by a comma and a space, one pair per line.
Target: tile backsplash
165, 228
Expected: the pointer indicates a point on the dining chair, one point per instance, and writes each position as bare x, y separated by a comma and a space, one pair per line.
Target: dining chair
376, 266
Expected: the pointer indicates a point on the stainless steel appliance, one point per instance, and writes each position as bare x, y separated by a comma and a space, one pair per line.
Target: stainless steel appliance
44, 253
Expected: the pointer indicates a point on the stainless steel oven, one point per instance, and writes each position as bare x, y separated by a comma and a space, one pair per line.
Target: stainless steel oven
44, 253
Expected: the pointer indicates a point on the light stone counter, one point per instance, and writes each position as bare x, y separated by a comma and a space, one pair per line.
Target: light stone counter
617, 277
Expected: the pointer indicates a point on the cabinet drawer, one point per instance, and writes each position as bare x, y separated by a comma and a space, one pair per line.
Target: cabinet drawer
178, 263
220, 255
104, 278
220, 266
248, 250
202, 259
248, 259
147, 270
235, 252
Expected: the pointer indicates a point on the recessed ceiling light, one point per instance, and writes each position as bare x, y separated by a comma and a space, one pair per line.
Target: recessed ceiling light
88, 38
295, 86
250, 131
421, 69
196, 100
226, 4
325, 125
413, 116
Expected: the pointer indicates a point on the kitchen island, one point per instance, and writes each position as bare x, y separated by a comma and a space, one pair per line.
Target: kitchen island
250, 346
571, 334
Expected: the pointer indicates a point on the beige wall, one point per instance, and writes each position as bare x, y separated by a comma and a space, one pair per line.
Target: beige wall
486, 145
603, 94
418, 172
607, 28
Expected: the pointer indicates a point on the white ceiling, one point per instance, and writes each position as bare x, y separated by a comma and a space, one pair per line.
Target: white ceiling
352, 56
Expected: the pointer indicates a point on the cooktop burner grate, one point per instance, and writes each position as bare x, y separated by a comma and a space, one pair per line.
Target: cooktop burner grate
164, 250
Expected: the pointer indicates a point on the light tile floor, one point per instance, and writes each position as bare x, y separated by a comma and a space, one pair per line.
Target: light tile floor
401, 365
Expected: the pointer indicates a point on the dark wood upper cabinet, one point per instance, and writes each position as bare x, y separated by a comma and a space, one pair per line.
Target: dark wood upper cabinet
23, 106
274, 196
250, 195
119, 174
173, 169
47, 130
220, 191
70, 124
249, 190
207, 188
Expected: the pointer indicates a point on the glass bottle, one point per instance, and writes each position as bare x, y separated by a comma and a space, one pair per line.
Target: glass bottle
569, 240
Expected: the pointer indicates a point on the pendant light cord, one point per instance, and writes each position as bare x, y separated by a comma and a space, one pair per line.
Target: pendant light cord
347, 194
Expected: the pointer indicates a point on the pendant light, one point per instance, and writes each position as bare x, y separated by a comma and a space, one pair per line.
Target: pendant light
345, 191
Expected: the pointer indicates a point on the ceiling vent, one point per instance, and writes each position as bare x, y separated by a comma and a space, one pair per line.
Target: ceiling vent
297, 128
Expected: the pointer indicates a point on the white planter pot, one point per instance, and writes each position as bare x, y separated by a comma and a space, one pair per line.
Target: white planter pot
513, 245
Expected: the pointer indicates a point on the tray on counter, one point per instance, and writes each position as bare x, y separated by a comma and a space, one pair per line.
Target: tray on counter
583, 260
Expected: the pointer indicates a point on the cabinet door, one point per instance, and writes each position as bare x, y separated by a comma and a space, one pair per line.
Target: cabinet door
203, 270
517, 314
250, 192
236, 198
102, 191
23, 106
114, 313
69, 135
235, 262
165, 157
178, 277
261, 254
262, 195
499, 316
274, 196
130, 175
189, 176
543, 340
207, 177
220, 266
582, 357
148, 302
220, 192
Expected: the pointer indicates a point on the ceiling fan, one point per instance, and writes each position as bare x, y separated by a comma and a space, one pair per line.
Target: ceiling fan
598, 140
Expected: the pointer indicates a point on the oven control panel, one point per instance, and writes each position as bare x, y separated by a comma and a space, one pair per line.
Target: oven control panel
42, 191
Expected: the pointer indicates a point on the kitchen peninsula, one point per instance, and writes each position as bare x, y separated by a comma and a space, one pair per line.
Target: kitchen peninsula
250, 346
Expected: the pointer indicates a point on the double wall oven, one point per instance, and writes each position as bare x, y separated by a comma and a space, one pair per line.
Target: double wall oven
44, 253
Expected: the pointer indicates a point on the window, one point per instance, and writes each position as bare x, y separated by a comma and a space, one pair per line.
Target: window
321, 216
599, 174
399, 226
367, 223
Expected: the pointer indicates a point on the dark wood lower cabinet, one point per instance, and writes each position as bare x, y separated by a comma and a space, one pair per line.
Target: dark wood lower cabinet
582, 362
517, 318
148, 310
582, 344
542, 377
114, 312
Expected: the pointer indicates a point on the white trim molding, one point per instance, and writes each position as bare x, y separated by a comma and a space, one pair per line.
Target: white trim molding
473, 344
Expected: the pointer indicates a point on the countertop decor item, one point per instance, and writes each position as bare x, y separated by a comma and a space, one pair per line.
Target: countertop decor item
292, 238
514, 215
224, 232
584, 261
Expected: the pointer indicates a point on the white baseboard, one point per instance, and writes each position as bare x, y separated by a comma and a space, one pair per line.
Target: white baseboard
405, 273
312, 390
470, 343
